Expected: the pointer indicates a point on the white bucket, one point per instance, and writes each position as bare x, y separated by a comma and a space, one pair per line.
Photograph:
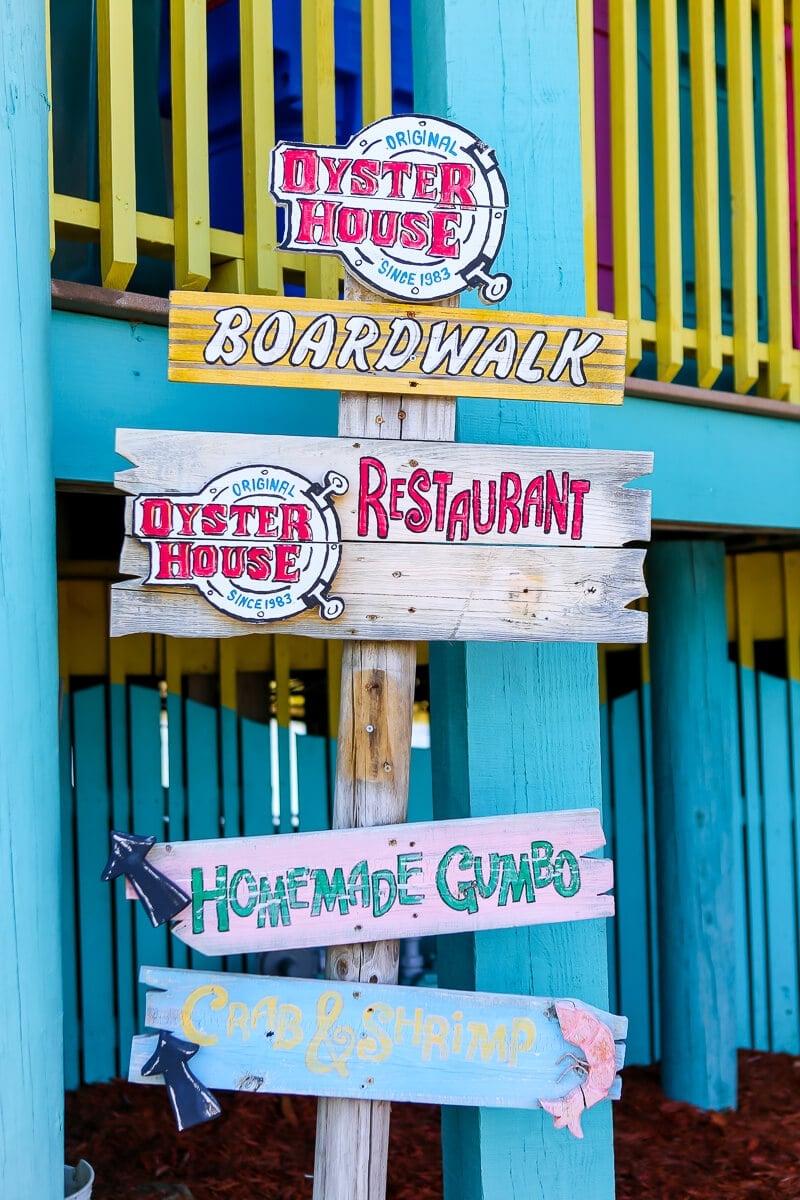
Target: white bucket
78, 1181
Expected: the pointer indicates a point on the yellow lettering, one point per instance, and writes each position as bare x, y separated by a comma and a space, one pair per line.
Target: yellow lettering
289, 1030
480, 1041
237, 1018
402, 1022
220, 999
523, 1035
338, 1040
379, 1047
267, 1005
435, 1031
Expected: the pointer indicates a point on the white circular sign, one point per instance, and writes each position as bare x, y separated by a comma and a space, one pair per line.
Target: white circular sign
261, 543
414, 205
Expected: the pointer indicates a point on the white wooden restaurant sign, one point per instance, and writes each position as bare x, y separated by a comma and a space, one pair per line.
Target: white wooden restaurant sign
229, 533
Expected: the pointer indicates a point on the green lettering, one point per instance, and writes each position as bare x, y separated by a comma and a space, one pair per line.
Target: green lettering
272, 903
464, 900
296, 878
358, 882
486, 889
329, 891
541, 854
381, 907
517, 879
247, 877
217, 895
404, 873
566, 859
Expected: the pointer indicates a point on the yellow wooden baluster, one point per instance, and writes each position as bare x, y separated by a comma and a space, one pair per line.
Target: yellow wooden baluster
319, 119
117, 151
741, 133
776, 198
50, 174
791, 583
376, 58
588, 158
705, 167
794, 395
190, 143
261, 272
667, 188
625, 172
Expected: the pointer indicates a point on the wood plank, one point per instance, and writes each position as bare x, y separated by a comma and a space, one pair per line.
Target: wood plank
667, 188
389, 882
468, 593
69, 931
319, 116
586, 83
705, 179
517, 495
262, 273
189, 73
117, 151
623, 52
306, 342
336, 1039
742, 149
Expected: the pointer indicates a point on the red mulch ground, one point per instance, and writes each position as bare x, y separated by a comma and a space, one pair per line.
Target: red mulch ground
263, 1149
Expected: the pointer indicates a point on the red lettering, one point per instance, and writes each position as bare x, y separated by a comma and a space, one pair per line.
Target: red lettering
510, 492
187, 514
369, 499
480, 525
578, 488
204, 561
156, 518
296, 523
426, 187
413, 230
233, 559
351, 225
242, 512
418, 519
383, 231
556, 502
173, 555
300, 169
267, 514
442, 480
459, 515
396, 489
317, 214
213, 521
258, 562
533, 497
457, 179
444, 225
398, 171
364, 177
336, 168
286, 570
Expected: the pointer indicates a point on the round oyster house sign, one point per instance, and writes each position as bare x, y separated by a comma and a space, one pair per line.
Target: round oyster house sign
414, 205
261, 543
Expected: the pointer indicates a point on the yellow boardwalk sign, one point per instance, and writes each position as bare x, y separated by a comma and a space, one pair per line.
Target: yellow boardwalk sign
424, 351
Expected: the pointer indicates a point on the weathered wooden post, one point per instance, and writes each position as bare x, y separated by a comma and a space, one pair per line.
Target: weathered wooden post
31, 1149
694, 821
516, 727
376, 712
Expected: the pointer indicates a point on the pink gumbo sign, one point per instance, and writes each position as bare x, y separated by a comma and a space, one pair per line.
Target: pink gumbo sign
414, 205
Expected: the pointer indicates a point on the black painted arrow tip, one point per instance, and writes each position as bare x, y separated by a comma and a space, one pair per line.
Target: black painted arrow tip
192, 1103
161, 898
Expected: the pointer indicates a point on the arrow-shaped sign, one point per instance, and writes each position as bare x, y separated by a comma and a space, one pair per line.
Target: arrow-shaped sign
161, 897
369, 1041
191, 1103
244, 895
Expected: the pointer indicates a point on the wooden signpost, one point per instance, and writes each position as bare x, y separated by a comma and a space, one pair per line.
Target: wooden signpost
388, 534
316, 1038
316, 889
404, 539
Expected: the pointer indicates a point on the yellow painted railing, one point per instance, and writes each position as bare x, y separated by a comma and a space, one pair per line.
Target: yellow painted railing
203, 255
693, 205
730, 59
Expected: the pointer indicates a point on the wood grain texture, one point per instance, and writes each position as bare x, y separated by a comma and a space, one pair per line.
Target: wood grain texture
337, 1040
694, 822
396, 881
212, 339
612, 514
31, 1130
465, 593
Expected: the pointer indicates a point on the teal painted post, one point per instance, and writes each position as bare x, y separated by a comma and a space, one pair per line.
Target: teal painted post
516, 727
694, 807
31, 1145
